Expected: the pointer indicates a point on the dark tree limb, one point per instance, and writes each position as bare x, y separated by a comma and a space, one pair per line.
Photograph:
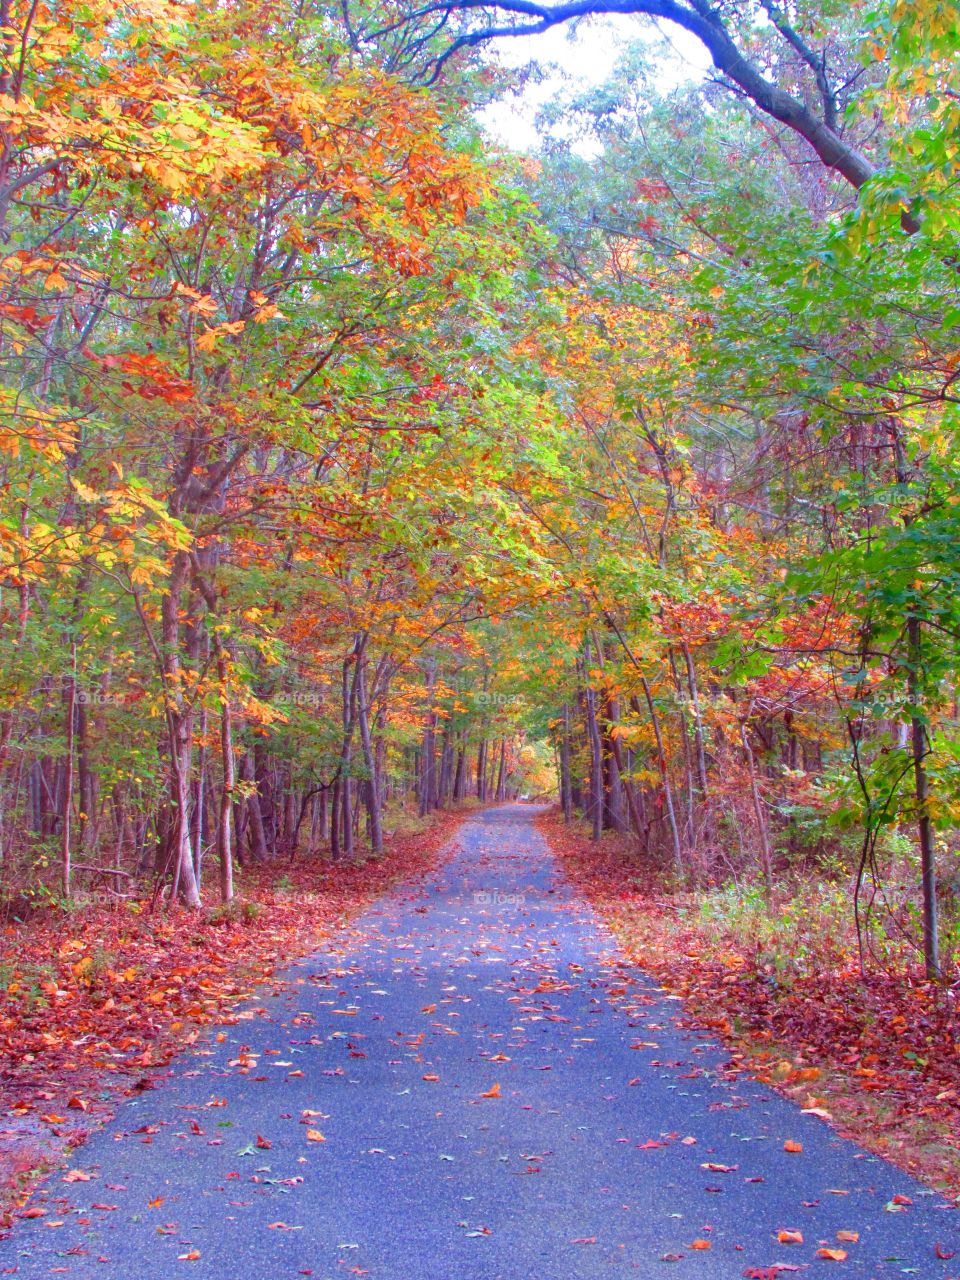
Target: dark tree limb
701, 19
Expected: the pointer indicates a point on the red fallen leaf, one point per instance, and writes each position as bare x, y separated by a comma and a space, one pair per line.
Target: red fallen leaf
768, 1273
700, 1244
264, 1144
790, 1237
78, 1104
899, 1199
635, 1080
192, 1256
156, 1203
794, 1148
77, 1175
832, 1255
105, 1207
584, 1240
492, 1092
671, 1257
33, 1212
431, 1077
945, 1254
649, 1144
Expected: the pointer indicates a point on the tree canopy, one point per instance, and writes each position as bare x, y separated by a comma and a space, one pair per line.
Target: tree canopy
350, 460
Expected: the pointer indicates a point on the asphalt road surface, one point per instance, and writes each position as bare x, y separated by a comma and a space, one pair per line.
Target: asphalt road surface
471, 1084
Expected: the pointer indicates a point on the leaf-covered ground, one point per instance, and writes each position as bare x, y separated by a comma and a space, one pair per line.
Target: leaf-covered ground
879, 1053
94, 999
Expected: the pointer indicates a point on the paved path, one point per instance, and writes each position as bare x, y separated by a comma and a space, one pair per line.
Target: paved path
589, 1161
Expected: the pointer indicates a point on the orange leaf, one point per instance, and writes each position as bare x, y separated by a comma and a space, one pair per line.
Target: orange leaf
192, 1256
793, 1147
848, 1237
492, 1092
314, 1135
790, 1237
700, 1244
832, 1255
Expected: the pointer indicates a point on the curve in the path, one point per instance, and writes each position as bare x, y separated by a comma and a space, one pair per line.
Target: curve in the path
499, 1097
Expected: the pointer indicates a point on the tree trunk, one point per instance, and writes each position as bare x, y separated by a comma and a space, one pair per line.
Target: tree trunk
369, 758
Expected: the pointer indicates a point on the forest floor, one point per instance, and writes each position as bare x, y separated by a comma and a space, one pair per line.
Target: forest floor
878, 1054
95, 998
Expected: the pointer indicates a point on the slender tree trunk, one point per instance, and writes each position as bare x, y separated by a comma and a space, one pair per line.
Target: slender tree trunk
224, 834
566, 788
596, 763
369, 758
501, 791
759, 811
928, 866
70, 712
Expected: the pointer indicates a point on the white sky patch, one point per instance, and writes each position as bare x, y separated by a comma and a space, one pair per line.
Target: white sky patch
581, 57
